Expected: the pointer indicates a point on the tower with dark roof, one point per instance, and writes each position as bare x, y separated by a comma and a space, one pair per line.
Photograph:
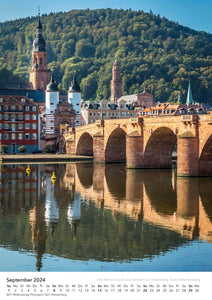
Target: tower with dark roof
52, 100
115, 83
74, 97
39, 74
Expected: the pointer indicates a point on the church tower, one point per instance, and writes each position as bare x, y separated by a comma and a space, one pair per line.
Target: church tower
74, 98
39, 74
115, 83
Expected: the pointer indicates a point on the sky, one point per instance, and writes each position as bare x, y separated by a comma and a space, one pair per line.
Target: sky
196, 14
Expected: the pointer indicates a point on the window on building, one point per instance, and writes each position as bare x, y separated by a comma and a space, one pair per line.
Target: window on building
27, 117
0, 116
6, 108
13, 136
23, 100
20, 136
0, 125
27, 125
27, 136
20, 126
6, 136
13, 107
34, 117
6, 126
34, 108
13, 118
1, 100
6, 117
20, 117
20, 108
34, 136
34, 125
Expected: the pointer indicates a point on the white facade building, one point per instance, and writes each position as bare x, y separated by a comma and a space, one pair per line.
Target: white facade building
52, 100
74, 97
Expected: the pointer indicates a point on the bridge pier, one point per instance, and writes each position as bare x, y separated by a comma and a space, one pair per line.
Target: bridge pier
134, 152
98, 149
187, 155
70, 147
70, 142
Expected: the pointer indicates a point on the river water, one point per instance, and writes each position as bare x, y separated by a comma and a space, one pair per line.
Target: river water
103, 218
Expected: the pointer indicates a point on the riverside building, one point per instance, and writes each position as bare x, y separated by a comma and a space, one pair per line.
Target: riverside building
19, 123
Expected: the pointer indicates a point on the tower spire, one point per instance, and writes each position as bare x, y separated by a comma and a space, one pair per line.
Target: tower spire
39, 74
189, 99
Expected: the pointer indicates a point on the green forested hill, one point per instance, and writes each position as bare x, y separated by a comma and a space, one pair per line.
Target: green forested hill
153, 52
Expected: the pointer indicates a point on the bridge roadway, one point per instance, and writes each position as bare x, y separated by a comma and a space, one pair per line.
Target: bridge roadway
148, 142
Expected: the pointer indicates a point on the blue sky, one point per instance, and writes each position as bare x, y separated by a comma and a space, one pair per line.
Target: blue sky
195, 14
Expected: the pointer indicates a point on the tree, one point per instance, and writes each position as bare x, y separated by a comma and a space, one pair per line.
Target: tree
22, 149
84, 49
4, 148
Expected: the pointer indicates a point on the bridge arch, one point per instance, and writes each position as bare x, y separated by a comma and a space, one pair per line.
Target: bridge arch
205, 161
115, 150
159, 148
85, 145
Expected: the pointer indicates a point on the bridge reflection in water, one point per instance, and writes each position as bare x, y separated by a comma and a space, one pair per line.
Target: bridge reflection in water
101, 212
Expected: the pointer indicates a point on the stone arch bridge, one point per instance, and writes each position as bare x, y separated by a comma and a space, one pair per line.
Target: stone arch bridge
148, 142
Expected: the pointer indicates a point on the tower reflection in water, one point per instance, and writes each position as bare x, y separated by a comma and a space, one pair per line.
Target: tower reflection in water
101, 212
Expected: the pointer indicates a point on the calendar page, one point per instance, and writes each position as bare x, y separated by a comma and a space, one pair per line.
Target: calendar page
124, 285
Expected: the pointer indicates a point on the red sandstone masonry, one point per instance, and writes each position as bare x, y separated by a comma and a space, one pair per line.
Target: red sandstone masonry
99, 152
158, 151
188, 156
134, 151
